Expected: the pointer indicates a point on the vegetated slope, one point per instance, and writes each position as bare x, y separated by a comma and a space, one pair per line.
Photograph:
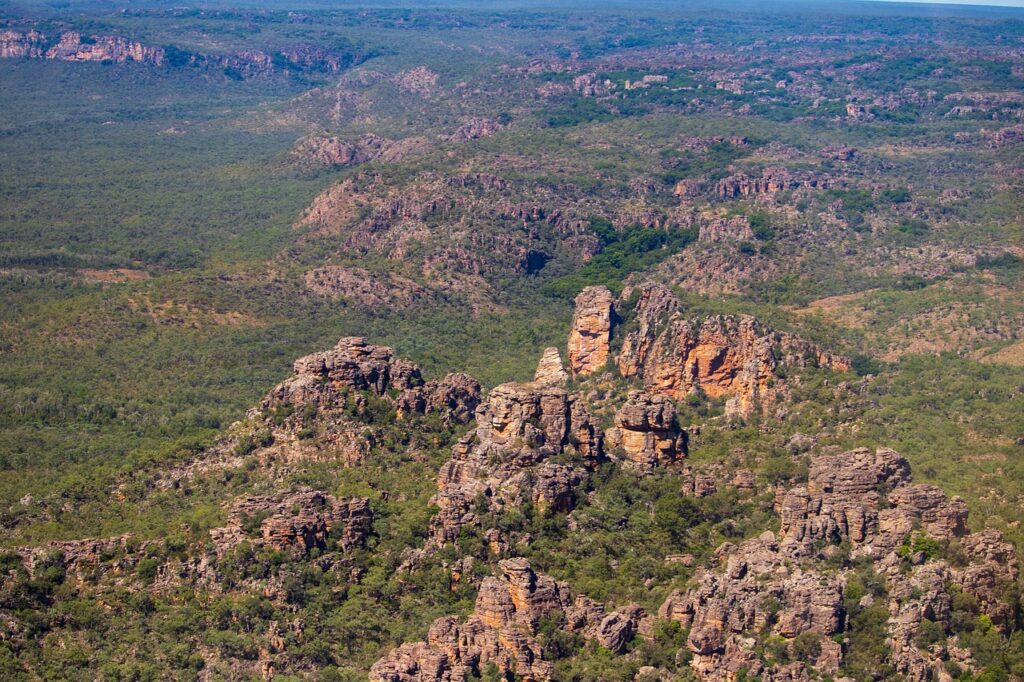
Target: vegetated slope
174, 235
576, 526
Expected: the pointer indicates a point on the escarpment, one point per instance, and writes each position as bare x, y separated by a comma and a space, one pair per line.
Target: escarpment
74, 46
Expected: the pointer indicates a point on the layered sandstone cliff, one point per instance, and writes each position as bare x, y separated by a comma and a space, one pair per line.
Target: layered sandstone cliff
734, 358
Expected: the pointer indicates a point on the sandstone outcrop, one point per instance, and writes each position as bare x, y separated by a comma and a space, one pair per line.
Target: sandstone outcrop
841, 501
334, 151
352, 365
295, 522
455, 397
773, 179
647, 432
331, 388
17, 45
503, 630
774, 584
475, 129
591, 329
758, 590
505, 462
71, 46
550, 371
736, 358
76, 555
74, 47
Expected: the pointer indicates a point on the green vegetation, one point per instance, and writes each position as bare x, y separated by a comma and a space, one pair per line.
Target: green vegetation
622, 252
154, 279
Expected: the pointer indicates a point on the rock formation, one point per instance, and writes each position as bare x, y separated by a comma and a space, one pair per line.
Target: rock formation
647, 432
503, 630
73, 47
590, 333
758, 590
722, 356
550, 371
352, 364
505, 463
329, 390
16, 45
295, 522
334, 151
455, 397
774, 584
772, 180
475, 129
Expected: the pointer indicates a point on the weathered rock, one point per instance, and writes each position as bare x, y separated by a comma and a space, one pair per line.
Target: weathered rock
994, 569
616, 629
772, 180
591, 330
352, 364
455, 397
475, 129
759, 589
651, 303
17, 45
72, 47
550, 371
841, 500
505, 461
297, 522
334, 151
942, 517
721, 356
647, 431
773, 584
502, 630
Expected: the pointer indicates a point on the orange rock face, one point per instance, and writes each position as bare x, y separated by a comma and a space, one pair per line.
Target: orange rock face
722, 356
591, 331
647, 432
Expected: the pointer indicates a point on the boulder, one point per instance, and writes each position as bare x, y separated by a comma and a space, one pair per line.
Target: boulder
647, 432
550, 371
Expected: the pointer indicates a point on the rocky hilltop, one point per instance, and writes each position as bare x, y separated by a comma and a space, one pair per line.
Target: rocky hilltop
853, 539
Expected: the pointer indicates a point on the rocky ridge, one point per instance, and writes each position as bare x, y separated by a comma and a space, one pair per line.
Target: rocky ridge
505, 462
